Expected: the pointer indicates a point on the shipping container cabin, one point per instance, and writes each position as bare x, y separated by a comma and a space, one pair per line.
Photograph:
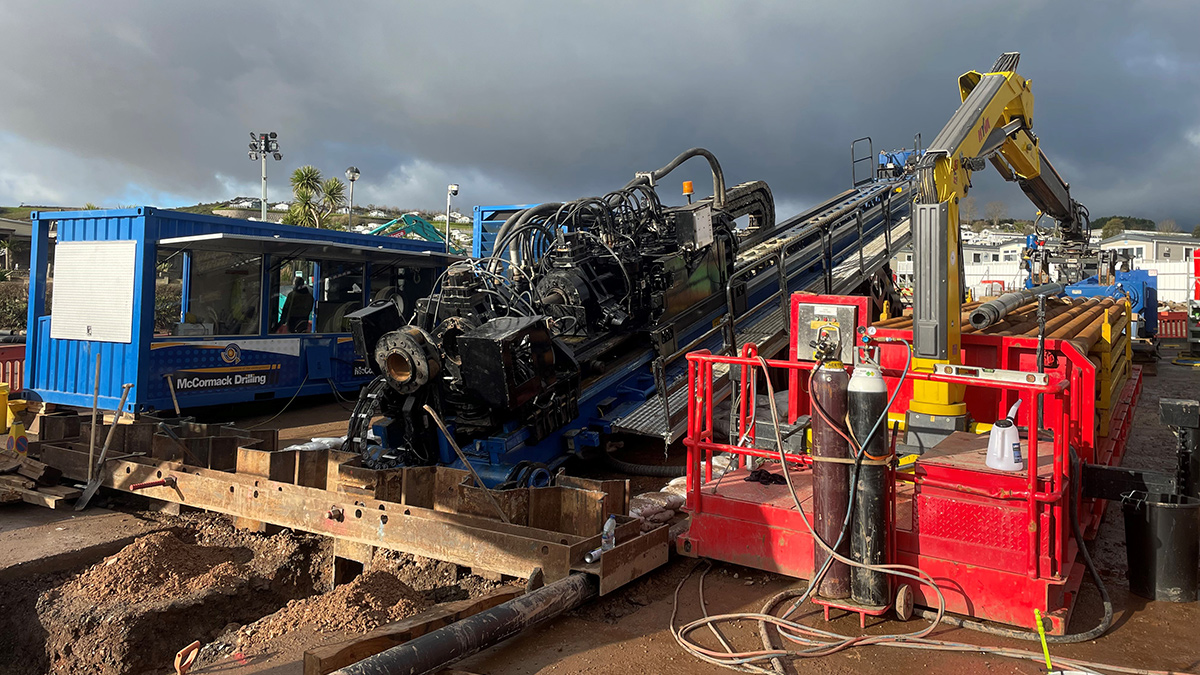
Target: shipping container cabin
223, 310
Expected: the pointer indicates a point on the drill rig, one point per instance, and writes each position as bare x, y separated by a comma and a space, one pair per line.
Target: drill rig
574, 320
571, 297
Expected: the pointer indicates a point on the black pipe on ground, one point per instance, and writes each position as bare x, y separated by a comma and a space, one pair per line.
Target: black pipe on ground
434, 651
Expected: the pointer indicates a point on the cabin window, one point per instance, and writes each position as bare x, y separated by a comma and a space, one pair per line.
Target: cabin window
168, 291
224, 293
341, 293
291, 302
402, 285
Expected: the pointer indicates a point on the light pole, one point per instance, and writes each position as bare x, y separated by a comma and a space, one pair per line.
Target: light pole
264, 144
451, 191
351, 175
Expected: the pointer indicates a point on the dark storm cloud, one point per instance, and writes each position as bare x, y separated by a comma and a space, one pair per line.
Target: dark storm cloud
524, 101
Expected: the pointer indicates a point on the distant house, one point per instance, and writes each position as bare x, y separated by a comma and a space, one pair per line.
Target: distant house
981, 254
281, 206
1160, 246
376, 213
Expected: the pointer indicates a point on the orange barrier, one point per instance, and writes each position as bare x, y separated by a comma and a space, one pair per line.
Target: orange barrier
12, 366
1172, 325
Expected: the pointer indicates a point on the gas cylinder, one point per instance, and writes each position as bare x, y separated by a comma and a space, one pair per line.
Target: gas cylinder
831, 476
866, 403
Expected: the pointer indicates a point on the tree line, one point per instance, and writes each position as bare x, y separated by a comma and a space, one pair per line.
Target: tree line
994, 212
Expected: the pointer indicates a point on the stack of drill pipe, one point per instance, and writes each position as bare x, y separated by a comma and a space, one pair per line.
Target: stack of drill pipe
1091, 335
1082, 321
993, 311
1022, 318
1088, 310
905, 322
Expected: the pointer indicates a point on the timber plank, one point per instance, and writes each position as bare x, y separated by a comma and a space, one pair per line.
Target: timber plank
40, 473
470, 541
31, 496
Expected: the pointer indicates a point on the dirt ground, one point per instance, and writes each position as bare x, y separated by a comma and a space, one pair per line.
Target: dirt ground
255, 602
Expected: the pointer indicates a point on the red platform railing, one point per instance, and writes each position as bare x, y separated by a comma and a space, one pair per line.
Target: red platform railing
1037, 490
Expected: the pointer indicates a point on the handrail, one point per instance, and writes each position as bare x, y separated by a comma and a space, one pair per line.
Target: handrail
782, 254
700, 443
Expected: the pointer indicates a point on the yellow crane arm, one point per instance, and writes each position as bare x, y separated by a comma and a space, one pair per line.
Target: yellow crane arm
993, 124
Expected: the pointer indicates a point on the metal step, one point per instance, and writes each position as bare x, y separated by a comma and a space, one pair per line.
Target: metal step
648, 420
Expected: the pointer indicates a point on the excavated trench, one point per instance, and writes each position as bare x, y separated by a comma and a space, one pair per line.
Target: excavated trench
242, 595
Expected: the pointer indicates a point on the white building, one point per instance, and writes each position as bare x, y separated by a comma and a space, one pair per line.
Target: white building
1156, 246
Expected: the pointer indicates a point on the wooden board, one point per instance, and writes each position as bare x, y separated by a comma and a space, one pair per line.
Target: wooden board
39, 472
469, 541
56, 499
329, 658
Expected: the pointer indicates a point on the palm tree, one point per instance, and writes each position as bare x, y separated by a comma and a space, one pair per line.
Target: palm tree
314, 199
334, 195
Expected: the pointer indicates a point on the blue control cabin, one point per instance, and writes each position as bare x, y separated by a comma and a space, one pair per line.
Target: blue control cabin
222, 310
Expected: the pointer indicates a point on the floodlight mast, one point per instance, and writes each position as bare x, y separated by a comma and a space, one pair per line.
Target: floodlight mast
264, 146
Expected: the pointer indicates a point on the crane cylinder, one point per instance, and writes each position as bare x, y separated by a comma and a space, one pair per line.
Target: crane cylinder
867, 403
831, 477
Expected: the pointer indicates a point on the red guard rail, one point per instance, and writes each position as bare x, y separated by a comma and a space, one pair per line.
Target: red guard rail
1056, 394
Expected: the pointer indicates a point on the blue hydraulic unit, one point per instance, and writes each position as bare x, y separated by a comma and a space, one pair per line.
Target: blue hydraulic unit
487, 222
211, 310
573, 320
895, 163
1087, 273
1140, 286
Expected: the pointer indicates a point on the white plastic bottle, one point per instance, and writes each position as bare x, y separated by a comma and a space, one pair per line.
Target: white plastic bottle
608, 536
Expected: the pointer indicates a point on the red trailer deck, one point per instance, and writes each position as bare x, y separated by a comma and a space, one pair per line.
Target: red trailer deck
999, 544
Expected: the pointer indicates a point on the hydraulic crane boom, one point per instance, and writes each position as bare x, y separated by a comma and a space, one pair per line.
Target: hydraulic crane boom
993, 124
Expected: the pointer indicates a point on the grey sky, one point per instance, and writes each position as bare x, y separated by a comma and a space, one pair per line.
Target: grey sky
124, 101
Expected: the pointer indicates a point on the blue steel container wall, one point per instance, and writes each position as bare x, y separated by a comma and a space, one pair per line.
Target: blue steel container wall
487, 223
65, 369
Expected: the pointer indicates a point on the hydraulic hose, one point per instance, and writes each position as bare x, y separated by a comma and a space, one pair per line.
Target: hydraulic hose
514, 222
713, 164
653, 470
993, 310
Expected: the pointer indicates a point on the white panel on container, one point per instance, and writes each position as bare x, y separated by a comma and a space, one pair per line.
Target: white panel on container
93, 291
